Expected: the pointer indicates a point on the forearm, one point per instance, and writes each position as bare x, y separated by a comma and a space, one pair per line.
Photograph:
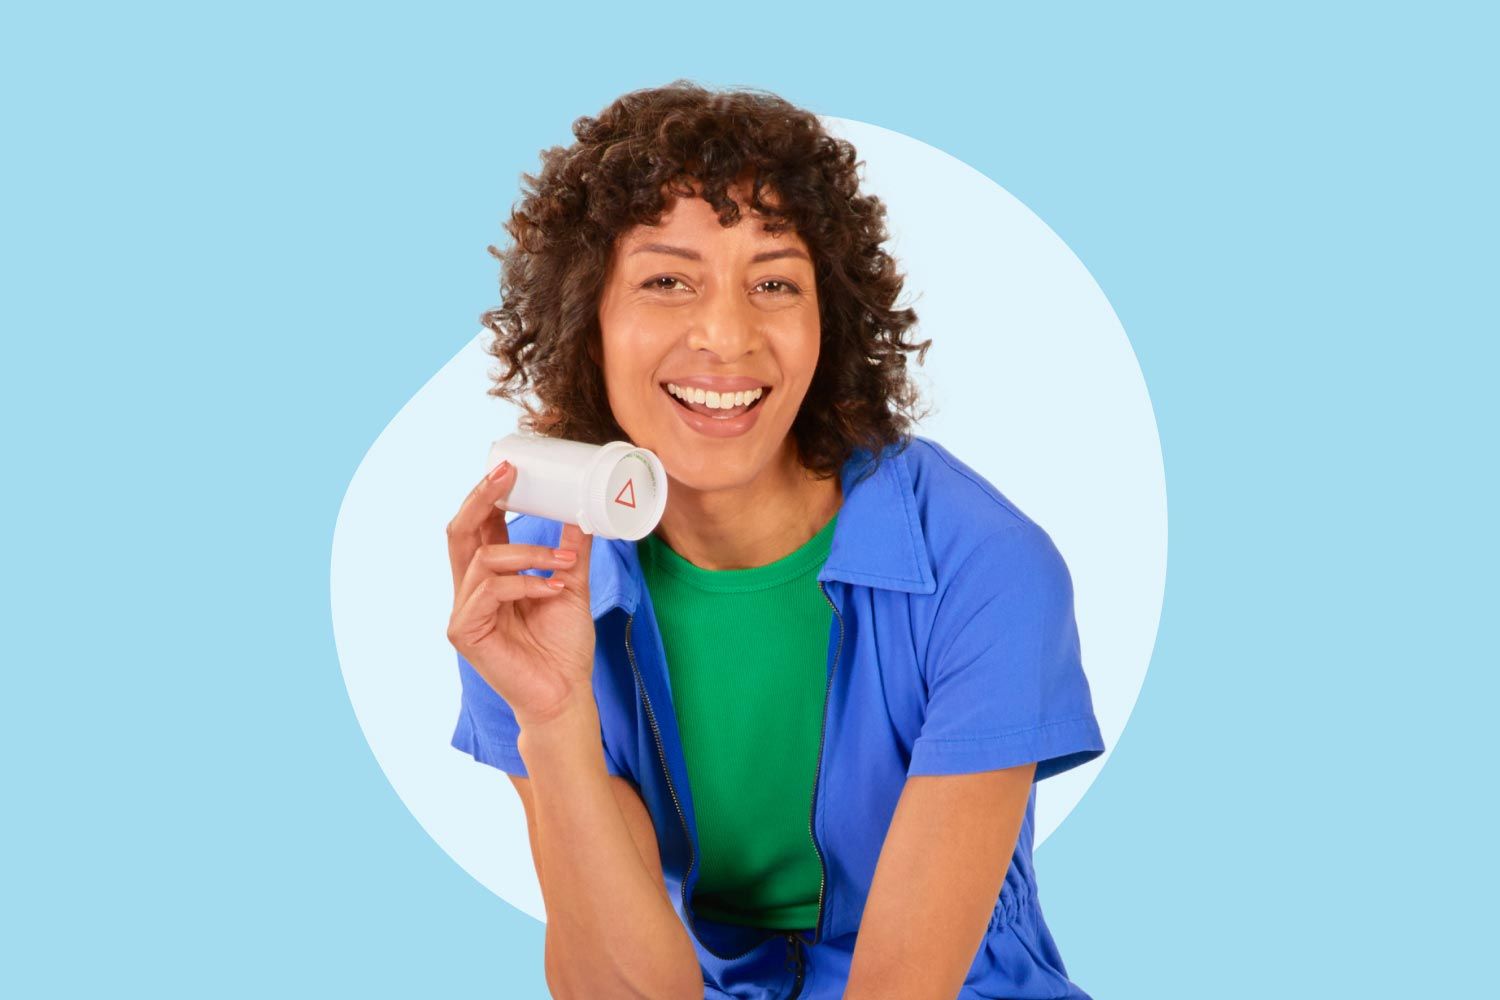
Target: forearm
611, 931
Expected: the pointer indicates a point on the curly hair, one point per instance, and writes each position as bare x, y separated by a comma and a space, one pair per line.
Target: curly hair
612, 178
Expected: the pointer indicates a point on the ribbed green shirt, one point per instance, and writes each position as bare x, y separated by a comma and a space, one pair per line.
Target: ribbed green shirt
747, 653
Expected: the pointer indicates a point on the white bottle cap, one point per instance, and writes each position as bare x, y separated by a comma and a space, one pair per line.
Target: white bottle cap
616, 490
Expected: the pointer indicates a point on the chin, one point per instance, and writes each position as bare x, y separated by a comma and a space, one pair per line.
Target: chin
713, 465
707, 473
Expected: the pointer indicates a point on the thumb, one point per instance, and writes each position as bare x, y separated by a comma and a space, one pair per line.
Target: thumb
575, 539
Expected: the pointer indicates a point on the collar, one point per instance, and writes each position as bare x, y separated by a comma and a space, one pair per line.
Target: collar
877, 542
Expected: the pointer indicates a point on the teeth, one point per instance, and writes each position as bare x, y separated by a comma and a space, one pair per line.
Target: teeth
714, 400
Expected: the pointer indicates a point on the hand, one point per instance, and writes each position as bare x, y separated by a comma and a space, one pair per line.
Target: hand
532, 643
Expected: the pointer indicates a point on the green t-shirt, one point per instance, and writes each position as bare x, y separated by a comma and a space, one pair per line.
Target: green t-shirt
747, 653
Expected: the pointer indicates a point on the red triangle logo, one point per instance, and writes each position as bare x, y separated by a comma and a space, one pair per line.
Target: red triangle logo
627, 495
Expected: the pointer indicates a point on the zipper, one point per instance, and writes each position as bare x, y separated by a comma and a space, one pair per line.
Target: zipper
813, 809
794, 963
687, 836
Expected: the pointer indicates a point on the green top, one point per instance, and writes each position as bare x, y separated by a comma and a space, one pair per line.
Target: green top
747, 653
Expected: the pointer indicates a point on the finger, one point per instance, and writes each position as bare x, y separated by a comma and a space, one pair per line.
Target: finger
494, 530
575, 539
511, 557
475, 617
475, 522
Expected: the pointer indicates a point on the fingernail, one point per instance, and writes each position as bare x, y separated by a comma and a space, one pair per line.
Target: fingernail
567, 555
499, 470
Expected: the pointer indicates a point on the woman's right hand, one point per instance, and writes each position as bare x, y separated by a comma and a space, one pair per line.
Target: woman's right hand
532, 643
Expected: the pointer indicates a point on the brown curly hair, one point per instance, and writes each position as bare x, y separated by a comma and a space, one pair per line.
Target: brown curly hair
612, 178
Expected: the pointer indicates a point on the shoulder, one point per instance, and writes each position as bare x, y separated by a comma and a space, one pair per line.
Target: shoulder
530, 529
966, 520
942, 482
533, 529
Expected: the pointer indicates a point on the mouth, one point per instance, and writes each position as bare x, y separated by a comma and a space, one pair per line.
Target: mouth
714, 413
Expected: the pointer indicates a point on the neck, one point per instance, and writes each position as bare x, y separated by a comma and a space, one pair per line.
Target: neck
750, 525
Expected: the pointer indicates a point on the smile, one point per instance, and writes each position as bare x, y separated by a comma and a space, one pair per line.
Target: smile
711, 417
713, 404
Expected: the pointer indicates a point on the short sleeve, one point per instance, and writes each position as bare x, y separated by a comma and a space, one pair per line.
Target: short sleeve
487, 729
1005, 679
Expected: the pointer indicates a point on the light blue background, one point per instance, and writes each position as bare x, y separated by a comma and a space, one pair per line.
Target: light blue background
236, 242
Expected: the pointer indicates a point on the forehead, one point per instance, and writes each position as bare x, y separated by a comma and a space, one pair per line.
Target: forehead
692, 218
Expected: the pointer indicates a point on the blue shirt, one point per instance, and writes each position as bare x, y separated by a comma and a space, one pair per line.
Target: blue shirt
953, 649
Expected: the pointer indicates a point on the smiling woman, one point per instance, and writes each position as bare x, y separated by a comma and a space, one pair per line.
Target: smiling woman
640, 220
784, 746
717, 312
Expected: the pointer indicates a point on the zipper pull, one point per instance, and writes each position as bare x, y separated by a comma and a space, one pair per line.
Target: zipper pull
794, 964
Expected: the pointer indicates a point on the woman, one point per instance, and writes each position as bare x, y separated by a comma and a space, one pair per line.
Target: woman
785, 746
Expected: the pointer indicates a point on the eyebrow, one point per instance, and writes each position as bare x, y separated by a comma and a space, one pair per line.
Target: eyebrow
690, 254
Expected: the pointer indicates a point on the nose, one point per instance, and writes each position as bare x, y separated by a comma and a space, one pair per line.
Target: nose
725, 326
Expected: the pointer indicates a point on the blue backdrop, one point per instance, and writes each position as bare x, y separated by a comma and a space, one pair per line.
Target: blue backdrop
237, 241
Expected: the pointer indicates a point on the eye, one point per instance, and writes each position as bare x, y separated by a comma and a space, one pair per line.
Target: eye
654, 284
787, 287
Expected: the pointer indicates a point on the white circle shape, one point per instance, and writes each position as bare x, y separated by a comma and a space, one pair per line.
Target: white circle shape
1034, 385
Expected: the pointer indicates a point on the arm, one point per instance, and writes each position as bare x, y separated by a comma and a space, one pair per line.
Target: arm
928, 909
611, 928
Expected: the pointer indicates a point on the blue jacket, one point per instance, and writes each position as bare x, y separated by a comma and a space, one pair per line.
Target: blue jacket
952, 649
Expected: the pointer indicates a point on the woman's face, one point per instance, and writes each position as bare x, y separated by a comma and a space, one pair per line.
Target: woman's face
691, 304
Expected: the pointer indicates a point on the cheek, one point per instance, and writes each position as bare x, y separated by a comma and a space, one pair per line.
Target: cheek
630, 358
633, 338
805, 360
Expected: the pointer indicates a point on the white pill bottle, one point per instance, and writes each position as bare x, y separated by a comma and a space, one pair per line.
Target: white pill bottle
614, 490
